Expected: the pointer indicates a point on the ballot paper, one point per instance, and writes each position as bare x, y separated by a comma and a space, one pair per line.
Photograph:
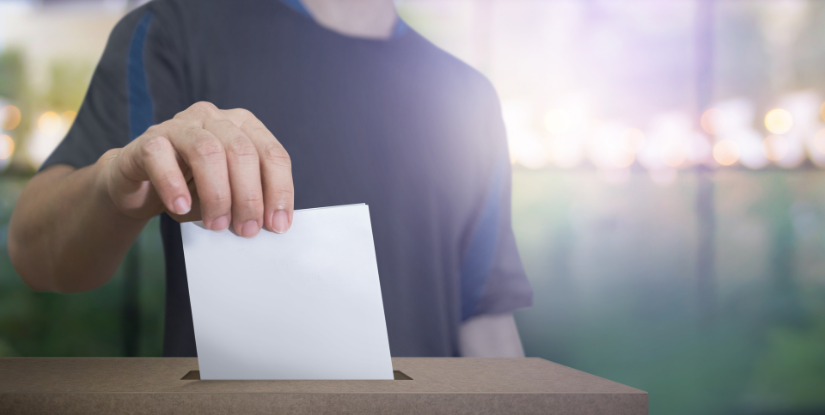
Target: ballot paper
305, 304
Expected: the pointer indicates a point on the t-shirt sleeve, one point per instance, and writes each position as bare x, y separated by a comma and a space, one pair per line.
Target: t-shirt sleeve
492, 276
120, 102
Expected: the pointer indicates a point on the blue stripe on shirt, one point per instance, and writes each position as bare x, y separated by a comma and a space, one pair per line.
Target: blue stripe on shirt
140, 102
297, 6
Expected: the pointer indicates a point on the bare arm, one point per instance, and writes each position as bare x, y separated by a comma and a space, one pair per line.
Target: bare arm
490, 335
71, 228
65, 234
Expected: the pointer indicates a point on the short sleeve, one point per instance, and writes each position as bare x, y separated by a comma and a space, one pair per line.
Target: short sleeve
493, 280
120, 102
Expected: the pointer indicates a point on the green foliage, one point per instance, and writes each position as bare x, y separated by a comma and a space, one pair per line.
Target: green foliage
86, 324
790, 370
613, 272
68, 83
12, 74
14, 89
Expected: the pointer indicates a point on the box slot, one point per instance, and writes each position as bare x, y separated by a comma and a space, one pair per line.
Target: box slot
196, 375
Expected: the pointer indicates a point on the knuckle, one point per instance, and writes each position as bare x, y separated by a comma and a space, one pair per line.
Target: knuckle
207, 146
155, 145
275, 153
181, 114
243, 113
175, 185
252, 200
217, 199
286, 194
170, 125
241, 147
152, 131
204, 106
111, 153
279, 197
255, 126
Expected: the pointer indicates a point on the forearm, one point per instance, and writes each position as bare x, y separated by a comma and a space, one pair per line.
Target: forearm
65, 233
490, 335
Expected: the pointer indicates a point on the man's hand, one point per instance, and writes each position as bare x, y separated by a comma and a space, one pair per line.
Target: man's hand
218, 166
72, 227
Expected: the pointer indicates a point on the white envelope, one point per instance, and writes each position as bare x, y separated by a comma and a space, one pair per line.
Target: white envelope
301, 305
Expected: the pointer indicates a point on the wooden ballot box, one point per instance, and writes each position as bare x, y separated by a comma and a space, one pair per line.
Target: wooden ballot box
422, 386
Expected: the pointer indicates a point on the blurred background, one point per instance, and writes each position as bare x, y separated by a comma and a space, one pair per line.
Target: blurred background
668, 195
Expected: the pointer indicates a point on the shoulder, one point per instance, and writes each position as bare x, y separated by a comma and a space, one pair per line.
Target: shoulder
451, 71
467, 93
163, 15
123, 32
157, 26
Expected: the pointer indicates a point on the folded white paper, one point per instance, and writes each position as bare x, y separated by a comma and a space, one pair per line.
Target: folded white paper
301, 305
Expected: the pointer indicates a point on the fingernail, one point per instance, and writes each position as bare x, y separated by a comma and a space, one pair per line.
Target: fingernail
281, 221
220, 223
249, 229
181, 206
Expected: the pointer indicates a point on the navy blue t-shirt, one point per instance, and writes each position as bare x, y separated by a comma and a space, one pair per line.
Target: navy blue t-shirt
398, 124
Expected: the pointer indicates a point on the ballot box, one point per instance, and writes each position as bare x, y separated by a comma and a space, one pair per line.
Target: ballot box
421, 386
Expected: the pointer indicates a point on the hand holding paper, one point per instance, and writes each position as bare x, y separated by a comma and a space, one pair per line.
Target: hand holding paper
301, 305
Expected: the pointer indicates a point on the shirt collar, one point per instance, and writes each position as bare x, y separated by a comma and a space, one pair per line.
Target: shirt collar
399, 29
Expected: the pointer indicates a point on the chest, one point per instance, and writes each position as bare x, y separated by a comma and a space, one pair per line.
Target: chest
361, 124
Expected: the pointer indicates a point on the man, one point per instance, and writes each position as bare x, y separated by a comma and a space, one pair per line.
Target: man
364, 110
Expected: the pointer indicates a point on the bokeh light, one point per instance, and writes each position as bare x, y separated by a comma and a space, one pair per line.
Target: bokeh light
794, 155
707, 120
49, 123
624, 160
778, 121
50, 129
558, 121
726, 152
68, 117
674, 154
528, 150
6, 147
634, 139
566, 152
698, 149
776, 147
751, 147
9, 117
819, 141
